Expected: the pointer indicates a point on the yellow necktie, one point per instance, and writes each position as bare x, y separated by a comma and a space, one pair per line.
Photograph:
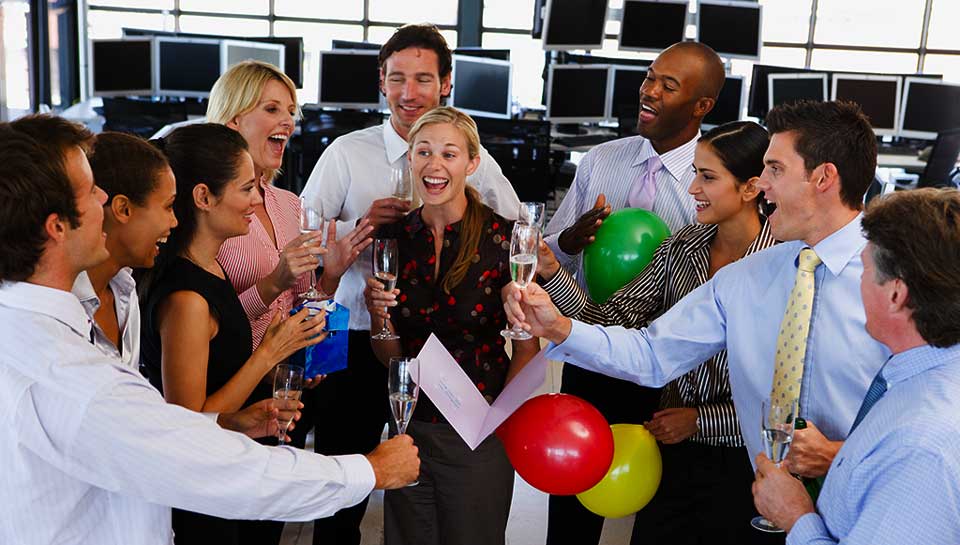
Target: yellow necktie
792, 340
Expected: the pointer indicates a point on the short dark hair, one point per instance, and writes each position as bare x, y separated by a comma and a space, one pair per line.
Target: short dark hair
832, 132
740, 146
127, 165
34, 183
915, 236
424, 36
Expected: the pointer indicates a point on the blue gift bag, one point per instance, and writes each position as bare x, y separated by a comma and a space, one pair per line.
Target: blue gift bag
330, 355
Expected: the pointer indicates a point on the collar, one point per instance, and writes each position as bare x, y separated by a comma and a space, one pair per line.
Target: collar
838, 249
415, 223
60, 305
396, 147
911, 363
677, 161
122, 284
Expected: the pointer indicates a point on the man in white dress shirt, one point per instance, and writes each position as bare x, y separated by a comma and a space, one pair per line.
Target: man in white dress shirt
651, 171
352, 181
90, 452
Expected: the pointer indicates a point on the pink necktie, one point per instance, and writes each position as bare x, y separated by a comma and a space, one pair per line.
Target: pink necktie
644, 190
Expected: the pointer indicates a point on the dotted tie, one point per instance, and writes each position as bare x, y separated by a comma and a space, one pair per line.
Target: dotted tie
877, 388
792, 340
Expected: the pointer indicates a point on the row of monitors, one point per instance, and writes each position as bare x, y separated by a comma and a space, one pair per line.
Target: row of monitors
731, 28
169, 66
912, 107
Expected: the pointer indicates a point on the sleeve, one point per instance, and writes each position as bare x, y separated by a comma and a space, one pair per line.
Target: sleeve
126, 439
328, 184
252, 303
691, 332
566, 293
718, 420
571, 208
495, 189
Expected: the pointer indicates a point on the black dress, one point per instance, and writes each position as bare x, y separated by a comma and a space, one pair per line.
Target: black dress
229, 349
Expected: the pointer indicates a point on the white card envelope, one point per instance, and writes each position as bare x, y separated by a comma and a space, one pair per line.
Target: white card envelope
458, 399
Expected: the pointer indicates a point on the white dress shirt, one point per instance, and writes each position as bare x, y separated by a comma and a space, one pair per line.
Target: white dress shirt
92, 454
127, 307
355, 171
612, 168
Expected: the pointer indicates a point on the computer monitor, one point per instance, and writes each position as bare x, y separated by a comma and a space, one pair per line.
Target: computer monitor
625, 100
943, 159
578, 93
787, 88
877, 95
732, 29
499, 54
349, 79
234, 51
574, 24
652, 25
481, 86
729, 106
348, 44
121, 67
186, 67
928, 108
758, 101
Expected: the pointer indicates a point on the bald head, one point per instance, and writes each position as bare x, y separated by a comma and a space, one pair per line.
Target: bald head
708, 64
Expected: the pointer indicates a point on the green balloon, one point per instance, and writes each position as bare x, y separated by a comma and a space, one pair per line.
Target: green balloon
624, 245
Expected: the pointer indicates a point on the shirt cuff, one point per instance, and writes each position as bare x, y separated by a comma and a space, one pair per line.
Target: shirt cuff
808, 529
577, 346
252, 303
359, 478
212, 416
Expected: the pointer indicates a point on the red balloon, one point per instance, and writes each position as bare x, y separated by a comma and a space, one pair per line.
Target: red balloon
558, 443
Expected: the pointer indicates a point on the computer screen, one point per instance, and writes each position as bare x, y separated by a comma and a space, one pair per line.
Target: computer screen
121, 67
928, 107
574, 24
187, 67
481, 86
234, 51
878, 97
347, 44
626, 90
578, 93
787, 88
349, 79
729, 106
759, 102
732, 29
943, 159
499, 54
652, 25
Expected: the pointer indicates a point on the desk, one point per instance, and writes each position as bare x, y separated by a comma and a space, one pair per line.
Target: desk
910, 163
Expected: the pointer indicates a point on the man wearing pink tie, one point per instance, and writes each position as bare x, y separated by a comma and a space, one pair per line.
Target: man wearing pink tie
650, 171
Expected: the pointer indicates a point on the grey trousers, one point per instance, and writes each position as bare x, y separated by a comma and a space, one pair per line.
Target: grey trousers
463, 497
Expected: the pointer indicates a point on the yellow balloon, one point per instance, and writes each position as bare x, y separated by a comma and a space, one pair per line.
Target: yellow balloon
633, 477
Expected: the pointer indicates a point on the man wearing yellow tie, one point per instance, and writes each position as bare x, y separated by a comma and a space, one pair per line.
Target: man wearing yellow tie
801, 297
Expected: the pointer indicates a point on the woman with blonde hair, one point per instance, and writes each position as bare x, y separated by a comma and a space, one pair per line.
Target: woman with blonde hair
454, 259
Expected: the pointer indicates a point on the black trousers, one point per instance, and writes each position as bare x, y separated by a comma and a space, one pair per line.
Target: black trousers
348, 411
621, 402
704, 499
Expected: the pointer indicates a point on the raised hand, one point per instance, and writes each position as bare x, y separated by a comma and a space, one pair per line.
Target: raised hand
340, 254
387, 210
299, 256
547, 264
535, 312
578, 236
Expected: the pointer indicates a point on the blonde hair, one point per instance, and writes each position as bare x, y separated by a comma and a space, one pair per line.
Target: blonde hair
476, 213
238, 91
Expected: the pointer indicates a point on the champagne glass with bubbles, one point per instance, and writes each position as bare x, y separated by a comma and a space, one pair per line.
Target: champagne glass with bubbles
523, 266
311, 220
776, 424
385, 267
400, 180
403, 385
287, 385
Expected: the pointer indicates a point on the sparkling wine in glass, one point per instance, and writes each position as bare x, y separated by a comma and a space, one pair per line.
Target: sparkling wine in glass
776, 424
385, 266
523, 266
311, 220
402, 183
403, 386
287, 385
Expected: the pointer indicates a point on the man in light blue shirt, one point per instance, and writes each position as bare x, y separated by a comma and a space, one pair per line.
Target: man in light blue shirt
821, 159
897, 478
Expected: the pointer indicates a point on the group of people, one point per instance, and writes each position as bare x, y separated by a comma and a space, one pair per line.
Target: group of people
184, 263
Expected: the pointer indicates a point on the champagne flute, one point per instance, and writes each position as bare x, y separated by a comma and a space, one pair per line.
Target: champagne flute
400, 181
776, 424
523, 265
287, 385
311, 220
385, 266
403, 385
532, 213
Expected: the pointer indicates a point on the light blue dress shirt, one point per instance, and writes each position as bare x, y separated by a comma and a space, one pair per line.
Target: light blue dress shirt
897, 478
740, 309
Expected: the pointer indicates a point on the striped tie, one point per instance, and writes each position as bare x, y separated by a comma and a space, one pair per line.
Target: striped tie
877, 388
792, 340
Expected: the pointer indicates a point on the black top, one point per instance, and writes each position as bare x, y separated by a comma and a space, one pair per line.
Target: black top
230, 348
469, 319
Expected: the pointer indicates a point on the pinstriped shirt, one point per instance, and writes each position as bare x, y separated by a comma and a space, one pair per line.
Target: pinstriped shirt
612, 168
678, 266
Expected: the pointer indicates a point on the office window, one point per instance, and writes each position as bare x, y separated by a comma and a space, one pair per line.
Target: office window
317, 37
222, 25
526, 56
142, 4
15, 76
508, 14
786, 21
349, 10
394, 11
864, 61
944, 15
877, 23
948, 65
246, 7
109, 24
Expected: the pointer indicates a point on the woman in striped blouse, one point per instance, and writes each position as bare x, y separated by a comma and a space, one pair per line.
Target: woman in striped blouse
704, 495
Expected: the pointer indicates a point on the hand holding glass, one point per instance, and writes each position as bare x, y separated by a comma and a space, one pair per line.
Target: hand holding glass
776, 424
311, 220
287, 385
385, 266
523, 265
